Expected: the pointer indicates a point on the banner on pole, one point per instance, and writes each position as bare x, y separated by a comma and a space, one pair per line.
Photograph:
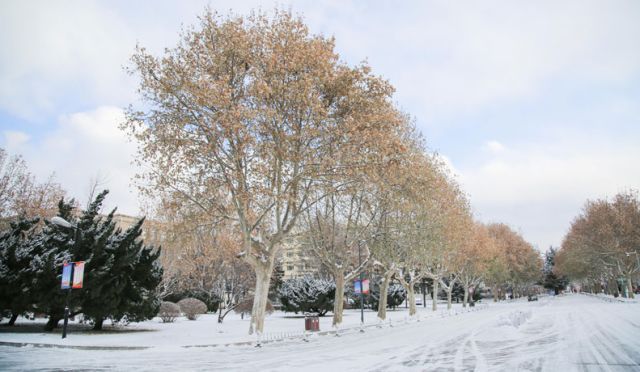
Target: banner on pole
66, 275
78, 274
364, 288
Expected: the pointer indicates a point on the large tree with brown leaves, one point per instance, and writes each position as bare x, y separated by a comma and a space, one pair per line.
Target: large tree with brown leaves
246, 117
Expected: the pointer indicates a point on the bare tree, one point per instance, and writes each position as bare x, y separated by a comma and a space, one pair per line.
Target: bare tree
21, 194
337, 232
245, 118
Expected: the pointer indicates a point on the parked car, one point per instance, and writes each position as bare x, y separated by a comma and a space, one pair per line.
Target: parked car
532, 298
419, 301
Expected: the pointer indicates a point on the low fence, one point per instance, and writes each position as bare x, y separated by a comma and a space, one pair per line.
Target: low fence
612, 299
271, 337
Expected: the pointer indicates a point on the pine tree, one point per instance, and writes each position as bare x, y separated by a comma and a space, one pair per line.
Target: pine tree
15, 296
307, 295
551, 280
120, 274
122, 280
48, 250
276, 281
396, 294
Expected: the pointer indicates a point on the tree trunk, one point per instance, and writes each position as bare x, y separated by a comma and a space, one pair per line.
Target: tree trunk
465, 299
338, 303
263, 276
382, 303
52, 323
495, 293
434, 305
12, 321
411, 295
449, 292
630, 288
98, 325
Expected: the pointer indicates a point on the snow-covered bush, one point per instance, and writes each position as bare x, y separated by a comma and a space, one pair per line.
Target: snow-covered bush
246, 305
396, 294
192, 307
307, 295
168, 312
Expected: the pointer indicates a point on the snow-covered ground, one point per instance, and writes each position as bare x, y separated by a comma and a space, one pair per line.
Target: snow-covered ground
568, 333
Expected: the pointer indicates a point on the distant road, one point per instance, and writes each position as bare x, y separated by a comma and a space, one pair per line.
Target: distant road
570, 333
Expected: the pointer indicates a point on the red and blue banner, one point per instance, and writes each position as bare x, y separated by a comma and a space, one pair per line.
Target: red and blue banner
78, 274
72, 268
364, 288
66, 275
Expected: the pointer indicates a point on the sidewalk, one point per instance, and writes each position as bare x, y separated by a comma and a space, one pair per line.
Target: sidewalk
206, 331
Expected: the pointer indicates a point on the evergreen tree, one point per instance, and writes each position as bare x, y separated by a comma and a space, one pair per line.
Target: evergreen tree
15, 297
307, 295
396, 294
48, 251
551, 280
122, 280
276, 281
458, 292
121, 274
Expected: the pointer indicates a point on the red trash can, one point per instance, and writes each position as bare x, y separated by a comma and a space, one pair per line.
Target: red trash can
311, 323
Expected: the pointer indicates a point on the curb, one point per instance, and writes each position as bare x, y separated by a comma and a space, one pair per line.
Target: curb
77, 347
338, 332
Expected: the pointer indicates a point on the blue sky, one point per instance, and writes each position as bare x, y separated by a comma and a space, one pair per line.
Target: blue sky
535, 105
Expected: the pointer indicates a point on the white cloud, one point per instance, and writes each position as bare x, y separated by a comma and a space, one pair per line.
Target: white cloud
541, 187
452, 58
494, 147
84, 146
14, 140
444, 57
58, 50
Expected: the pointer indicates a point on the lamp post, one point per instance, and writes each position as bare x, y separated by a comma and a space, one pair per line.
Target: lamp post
628, 254
424, 292
361, 284
59, 221
226, 301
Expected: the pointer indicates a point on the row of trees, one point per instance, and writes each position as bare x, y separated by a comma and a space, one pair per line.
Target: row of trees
121, 274
253, 129
602, 248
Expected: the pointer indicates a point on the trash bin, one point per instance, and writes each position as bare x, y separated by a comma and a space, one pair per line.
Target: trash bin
311, 323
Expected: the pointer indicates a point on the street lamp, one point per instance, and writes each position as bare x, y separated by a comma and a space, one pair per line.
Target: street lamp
226, 295
361, 284
424, 292
628, 254
59, 221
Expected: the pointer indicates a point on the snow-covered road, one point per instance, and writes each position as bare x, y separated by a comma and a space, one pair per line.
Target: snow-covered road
570, 333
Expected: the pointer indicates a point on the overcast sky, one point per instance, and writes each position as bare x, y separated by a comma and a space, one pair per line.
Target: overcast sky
535, 104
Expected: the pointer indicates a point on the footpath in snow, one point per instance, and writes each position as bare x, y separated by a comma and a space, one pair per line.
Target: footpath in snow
206, 331
567, 333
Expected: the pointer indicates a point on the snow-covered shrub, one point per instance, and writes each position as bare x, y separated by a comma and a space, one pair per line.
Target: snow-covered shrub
307, 295
246, 305
210, 299
192, 307
168, 312
396, 294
